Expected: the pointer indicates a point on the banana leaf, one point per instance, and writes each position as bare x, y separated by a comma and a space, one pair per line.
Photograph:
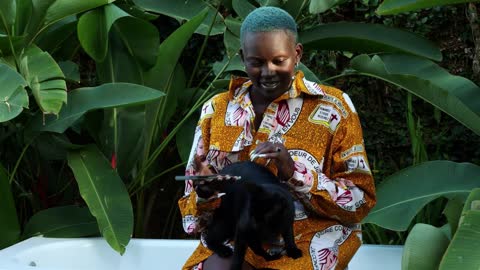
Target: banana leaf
105, 194
454, 95
462, 253
186, 10
424, 248
62, 222
82, 100
401, 196
367, 38
390, 7
14, 96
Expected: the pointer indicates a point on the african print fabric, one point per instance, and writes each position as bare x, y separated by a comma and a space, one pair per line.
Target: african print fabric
320, 128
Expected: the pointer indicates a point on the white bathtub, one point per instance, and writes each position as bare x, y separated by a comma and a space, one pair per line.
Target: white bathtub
40, 253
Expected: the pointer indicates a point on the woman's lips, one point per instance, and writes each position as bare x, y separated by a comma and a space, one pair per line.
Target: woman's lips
269, 85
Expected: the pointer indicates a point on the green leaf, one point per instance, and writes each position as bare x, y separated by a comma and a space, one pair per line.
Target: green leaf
184, 137
185, 10
62, 222
309, 75
45, 79
8, 10
424, 248
390, 7
398, 202
9, 227
82, 100
320, 6
54, 146
13, 97
105, 194
242, 7
232, 43
454, 95
70, 70
122, 135
235, 65
462, 253
453, 210
133, 49
295, 7
6, 47
233, 25
60, 9
93, 29
367, 38
59, 36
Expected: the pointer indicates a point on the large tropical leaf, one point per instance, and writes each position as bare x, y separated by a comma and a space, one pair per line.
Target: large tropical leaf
47, 12
63, 221
9, 227
367, 38
45, 79
133, 49
105, 194
320, 6
295, 7
82, 100
9, 42
13, 95
401, 196
242, 7
94, 27
186, 10
121, 137
62, 36
462, 253
8, 10
424, 248
456, 96
389, 7
63, 8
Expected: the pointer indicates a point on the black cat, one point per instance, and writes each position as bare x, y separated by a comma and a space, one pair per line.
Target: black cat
255, 209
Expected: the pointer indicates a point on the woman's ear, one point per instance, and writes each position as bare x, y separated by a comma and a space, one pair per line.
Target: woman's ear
299, 51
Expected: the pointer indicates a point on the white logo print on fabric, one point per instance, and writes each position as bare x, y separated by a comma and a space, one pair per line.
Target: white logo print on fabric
324, 246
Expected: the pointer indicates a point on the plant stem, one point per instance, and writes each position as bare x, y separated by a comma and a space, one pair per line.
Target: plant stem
202, 49
18, 161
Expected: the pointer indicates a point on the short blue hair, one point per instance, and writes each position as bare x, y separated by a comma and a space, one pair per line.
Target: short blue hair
266, 19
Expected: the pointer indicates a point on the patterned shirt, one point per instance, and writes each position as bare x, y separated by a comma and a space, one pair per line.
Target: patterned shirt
321, 130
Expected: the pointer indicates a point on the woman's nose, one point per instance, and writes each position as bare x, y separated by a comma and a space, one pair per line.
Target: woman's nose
268, 69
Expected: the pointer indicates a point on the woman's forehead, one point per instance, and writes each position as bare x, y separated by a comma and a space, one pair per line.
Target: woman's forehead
279, 38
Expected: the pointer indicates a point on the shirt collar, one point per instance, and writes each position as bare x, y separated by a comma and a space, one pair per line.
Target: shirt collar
238, 88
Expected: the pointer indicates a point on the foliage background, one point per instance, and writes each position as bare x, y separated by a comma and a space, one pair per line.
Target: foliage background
42, 184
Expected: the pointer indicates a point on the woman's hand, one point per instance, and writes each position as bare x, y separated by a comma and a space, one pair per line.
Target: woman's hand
278, 154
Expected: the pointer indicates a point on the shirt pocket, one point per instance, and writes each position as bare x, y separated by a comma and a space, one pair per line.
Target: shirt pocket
226, 138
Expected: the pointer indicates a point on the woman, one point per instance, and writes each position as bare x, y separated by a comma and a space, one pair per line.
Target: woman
310, 136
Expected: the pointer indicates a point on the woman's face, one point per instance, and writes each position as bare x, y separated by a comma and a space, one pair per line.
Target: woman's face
270, 59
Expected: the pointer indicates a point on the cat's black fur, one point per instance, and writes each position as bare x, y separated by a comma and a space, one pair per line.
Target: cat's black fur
256, 209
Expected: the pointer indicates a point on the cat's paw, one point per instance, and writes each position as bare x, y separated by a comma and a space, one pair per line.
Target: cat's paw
294, 252
271, 257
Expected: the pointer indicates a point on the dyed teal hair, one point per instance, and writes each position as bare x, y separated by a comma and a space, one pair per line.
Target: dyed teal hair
266, 19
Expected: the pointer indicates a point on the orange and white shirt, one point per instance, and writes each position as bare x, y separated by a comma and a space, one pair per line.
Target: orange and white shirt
321, 130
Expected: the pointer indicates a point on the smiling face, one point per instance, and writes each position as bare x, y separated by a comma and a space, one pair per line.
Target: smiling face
270, 59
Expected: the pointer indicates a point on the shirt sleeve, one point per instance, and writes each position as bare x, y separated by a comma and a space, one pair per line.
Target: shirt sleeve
344, 190
191, 206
